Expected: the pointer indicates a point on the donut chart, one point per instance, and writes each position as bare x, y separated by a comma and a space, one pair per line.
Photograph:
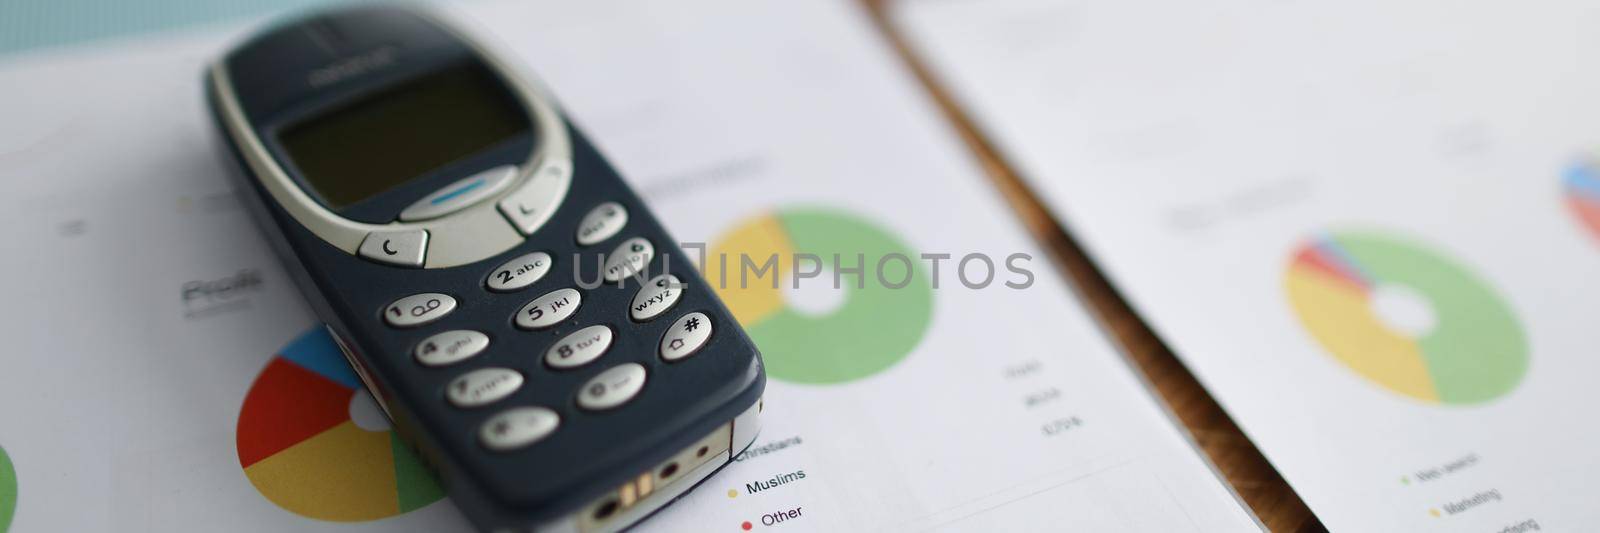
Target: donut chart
1582, 190
876, 325
301, 450
1475, 350
8, 491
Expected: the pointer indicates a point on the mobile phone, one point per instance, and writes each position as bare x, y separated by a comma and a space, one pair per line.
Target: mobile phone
448, 224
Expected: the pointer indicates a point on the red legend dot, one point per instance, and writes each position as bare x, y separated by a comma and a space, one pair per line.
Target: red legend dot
746, 526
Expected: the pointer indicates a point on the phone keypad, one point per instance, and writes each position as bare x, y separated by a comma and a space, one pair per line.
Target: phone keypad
612, 388
629, 258
655, 297
418, 309
550, 309
403, 248
522, 426
686, 336
519, 272
531, 206
602, 222
517, 428
483, 386
579, 348
450, 347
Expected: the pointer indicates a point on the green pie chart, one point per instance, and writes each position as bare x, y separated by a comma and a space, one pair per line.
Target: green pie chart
8, 490
880, 316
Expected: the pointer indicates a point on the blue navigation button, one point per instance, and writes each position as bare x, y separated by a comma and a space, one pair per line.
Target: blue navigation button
458, 192
464, 192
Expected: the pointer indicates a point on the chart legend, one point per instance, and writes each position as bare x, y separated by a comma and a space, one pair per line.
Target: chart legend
301, 449
875, 326
1453, 340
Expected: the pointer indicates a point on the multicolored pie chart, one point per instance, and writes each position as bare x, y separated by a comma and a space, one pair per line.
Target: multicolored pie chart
301, 449
1582, 187
876, 325
1473, 349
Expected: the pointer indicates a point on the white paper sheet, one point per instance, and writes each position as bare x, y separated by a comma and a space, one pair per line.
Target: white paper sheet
1427, 367
143, 306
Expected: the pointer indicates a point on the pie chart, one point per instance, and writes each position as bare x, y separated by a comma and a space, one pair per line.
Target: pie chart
301, 449
1582, 185
1468, 349
8, 490
875, 320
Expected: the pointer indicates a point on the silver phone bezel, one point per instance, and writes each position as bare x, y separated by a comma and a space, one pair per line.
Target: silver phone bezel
472, 234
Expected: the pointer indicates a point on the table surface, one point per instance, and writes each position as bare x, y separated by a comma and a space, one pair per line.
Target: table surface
1258, 484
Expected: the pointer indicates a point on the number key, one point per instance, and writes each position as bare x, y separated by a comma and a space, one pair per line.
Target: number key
612, 388
550, 309
450, 347
519, 272
418, 309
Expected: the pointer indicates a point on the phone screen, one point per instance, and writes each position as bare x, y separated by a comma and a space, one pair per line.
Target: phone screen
364, 148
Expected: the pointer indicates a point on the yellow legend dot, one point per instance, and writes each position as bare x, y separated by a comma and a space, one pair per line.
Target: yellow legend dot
1434, 512
733, 493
